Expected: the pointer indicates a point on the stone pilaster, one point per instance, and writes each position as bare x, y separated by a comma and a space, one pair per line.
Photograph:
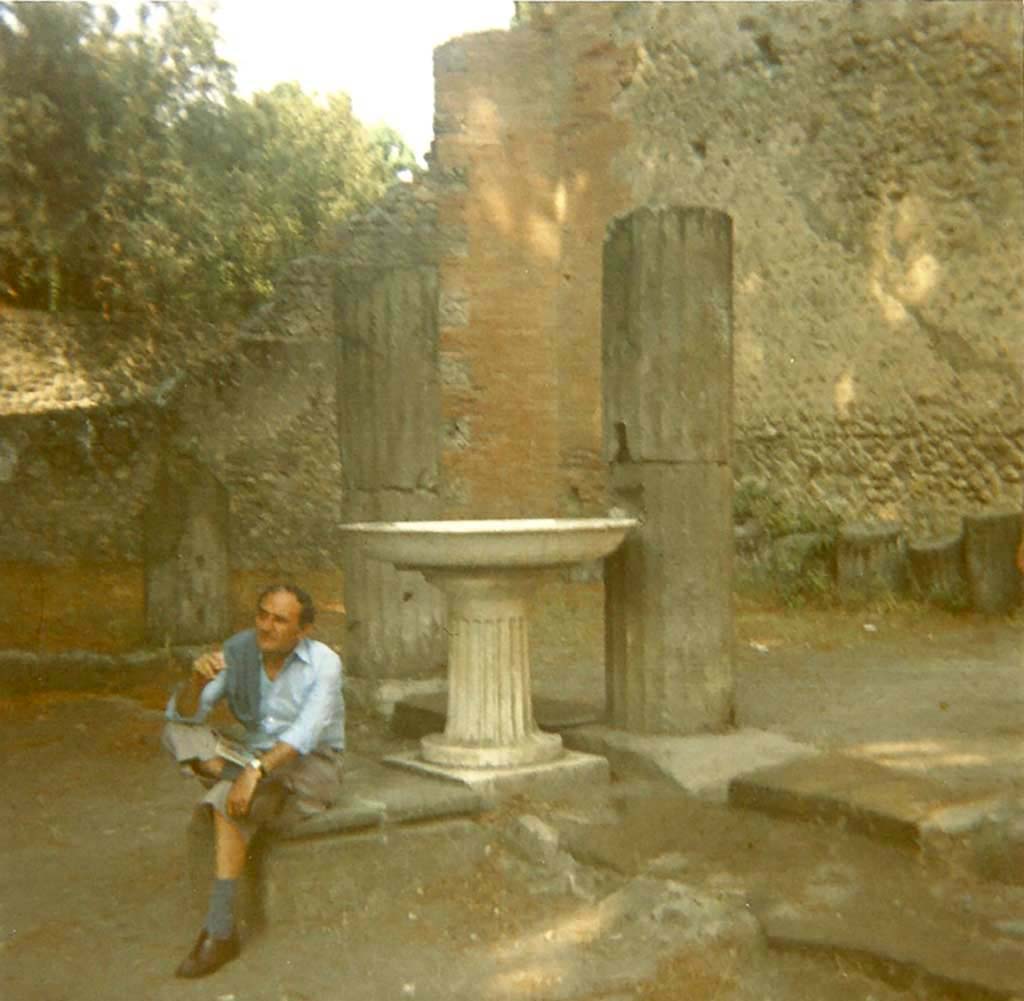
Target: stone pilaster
667, 350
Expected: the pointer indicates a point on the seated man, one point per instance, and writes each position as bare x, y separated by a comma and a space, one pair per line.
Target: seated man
285, 690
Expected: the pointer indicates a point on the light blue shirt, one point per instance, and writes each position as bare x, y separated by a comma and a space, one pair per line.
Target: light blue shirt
303, 706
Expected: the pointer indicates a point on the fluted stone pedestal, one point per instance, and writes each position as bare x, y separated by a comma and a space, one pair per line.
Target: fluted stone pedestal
490, 709
491, 741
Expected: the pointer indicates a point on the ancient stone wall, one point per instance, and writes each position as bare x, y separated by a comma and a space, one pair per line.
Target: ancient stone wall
79, 440
94, 414
870, 156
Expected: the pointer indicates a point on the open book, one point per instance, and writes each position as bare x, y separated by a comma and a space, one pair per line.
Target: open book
233, 750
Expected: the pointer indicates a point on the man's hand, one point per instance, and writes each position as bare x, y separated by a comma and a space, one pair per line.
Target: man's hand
208, 665
242, 791
205, 668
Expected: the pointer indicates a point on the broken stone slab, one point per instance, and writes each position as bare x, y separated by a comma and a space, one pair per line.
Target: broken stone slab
702, 765
901, 945
539, 845
374, 795
861, 796
530, 837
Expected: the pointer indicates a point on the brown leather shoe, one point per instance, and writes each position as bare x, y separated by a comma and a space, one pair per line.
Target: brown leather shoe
207, 955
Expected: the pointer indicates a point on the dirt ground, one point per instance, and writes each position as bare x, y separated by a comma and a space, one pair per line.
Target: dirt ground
649, 895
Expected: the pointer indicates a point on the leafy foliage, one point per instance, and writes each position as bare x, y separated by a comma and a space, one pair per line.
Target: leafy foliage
134, 179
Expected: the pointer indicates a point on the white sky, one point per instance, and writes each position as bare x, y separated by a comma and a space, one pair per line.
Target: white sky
380, 52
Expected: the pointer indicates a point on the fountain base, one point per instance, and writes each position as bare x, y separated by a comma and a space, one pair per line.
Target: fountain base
568, 773
534, 749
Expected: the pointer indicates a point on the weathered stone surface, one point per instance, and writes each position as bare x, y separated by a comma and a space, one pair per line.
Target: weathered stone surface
666, 333
937, 567
991, 539
547, 779
533, 839
870, 560
418, 715
703, 765
995, 846
865, 380
902, 944
186, 556
389, 425
668, 609
699, 915
858, 794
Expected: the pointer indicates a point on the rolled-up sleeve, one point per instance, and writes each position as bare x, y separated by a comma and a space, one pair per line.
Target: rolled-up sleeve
211, 694
320, 704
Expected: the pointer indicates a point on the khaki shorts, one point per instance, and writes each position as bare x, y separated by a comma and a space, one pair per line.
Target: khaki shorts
307, 785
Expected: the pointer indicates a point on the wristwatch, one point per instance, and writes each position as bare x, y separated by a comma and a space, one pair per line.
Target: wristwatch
257, 763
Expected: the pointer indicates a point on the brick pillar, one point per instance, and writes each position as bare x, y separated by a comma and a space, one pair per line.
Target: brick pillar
667, 354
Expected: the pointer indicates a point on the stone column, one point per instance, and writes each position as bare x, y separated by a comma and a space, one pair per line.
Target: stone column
667, 354
389, 420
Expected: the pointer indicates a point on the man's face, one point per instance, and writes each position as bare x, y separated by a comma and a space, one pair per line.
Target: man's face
277, 623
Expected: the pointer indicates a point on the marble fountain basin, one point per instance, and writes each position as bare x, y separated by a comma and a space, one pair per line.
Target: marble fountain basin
486, 571
490, 544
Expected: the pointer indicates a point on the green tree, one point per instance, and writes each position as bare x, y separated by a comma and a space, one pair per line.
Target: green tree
53, 131
295, 167
133, 178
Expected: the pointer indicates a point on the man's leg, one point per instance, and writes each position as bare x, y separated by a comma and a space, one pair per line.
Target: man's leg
232, 846
194, 747
218, 941
230, 852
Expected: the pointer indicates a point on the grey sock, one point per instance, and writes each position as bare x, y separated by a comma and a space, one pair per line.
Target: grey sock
220, 918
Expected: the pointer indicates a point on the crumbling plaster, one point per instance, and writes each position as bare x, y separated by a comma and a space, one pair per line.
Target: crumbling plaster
870, 154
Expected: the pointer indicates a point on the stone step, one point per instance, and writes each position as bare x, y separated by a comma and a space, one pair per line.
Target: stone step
903, 943
702, 765
374, 794
864, 797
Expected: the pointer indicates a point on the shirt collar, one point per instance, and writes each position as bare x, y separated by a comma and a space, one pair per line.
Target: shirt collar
302, 651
